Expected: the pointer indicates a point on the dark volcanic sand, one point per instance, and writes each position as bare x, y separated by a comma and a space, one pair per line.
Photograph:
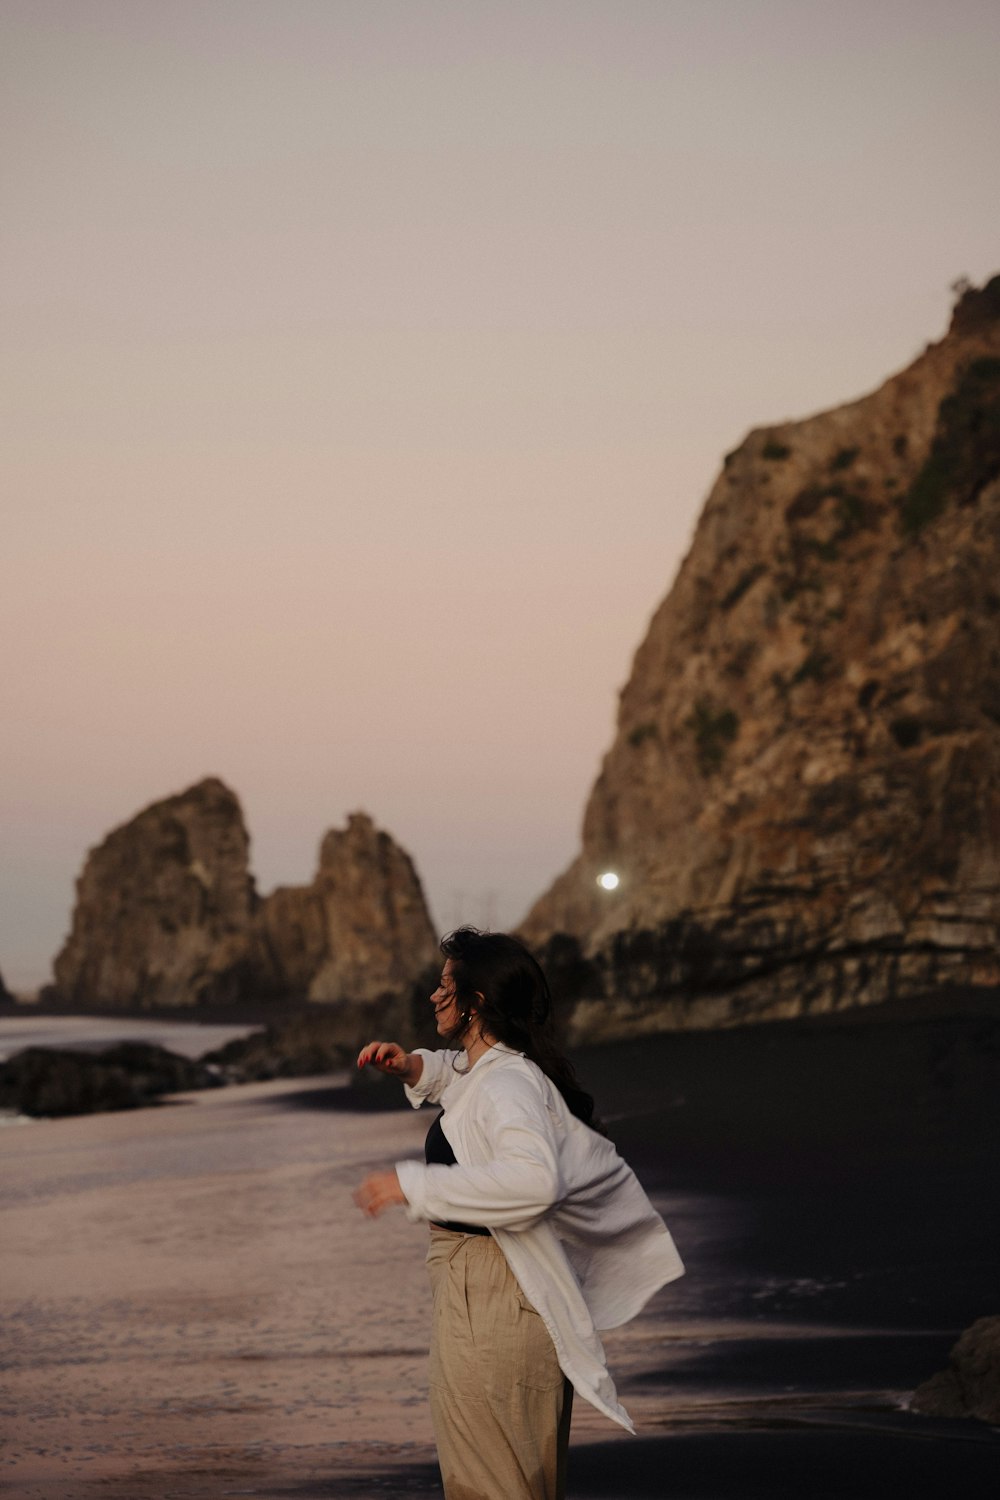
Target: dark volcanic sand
851, 1169
832, 1190
832, 1186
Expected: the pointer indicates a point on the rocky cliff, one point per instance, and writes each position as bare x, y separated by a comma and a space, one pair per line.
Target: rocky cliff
802, 800
167, 915
164, 908
359, 931
970, 1386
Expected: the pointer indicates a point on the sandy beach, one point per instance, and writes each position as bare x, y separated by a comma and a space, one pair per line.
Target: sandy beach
192, 1306
203, 1297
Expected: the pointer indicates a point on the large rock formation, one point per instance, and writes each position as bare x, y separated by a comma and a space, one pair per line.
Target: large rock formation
163, 908
360, 931
51, 1081
803, 797
970, 1386
167, 915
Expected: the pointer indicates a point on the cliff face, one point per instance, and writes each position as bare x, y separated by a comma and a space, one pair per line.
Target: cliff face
163, 908
803, 797
361, 930
167, 915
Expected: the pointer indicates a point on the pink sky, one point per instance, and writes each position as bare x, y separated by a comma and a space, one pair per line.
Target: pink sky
368, 364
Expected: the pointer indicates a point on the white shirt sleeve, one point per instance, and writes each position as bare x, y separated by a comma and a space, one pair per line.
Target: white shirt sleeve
512, 1191
438, 1071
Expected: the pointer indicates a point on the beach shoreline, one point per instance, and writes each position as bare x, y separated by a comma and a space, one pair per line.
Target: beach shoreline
93, 1033
194, 1308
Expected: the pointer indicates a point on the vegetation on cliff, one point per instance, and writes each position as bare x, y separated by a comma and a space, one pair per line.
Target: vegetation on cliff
802, 801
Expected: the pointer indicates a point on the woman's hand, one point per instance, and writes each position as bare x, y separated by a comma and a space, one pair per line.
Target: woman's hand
380, 1190
389, 1057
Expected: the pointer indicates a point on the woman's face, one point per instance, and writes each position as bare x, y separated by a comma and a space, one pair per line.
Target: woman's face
444, 1003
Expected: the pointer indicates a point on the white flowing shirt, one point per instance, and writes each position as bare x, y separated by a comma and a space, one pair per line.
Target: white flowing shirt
584, 1242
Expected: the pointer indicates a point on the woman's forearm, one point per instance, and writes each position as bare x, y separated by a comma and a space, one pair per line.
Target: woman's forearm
414, 1069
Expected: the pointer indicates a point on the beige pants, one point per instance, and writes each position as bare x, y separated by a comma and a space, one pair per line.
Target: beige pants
500, 1403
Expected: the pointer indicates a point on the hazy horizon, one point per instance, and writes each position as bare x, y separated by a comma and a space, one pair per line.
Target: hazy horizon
369, 366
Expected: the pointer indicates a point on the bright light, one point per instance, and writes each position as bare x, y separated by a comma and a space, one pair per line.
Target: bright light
608, 881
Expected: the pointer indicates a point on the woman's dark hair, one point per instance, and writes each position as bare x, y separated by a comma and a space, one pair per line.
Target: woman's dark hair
501, 985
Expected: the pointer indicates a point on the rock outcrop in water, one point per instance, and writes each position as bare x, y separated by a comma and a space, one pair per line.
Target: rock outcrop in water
167, 915
53, 1081
803, 797
164, 908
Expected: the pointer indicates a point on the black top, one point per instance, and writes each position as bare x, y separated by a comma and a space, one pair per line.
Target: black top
438, 1152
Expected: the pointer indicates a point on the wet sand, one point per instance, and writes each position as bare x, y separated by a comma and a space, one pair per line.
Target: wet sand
192, 1306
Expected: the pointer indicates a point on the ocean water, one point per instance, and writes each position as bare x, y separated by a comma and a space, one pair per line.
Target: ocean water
92, 1033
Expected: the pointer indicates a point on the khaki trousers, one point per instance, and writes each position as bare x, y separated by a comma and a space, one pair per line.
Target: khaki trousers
500, 1404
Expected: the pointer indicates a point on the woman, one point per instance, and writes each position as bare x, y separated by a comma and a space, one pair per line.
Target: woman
540, 1234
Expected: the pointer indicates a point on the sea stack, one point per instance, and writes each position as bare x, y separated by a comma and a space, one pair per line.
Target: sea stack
167, 915
163, 908
802, 801
359, 932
